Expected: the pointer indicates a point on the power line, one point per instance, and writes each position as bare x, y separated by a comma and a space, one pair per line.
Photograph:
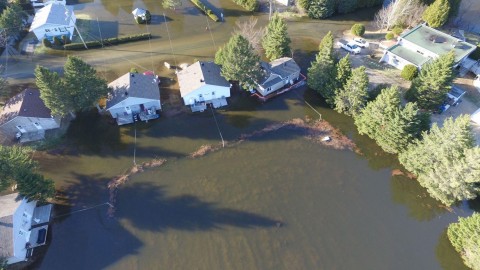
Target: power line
171, 46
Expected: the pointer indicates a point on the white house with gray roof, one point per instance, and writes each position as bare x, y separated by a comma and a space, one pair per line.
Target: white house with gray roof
422, 44
23, 226
201, 84
26, 117
277, 74
134, 96
54, 20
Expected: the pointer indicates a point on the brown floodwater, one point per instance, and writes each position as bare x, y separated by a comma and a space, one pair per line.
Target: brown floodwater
275, 201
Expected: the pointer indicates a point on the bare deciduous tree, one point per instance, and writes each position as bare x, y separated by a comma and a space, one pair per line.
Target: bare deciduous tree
248, 30
407, 12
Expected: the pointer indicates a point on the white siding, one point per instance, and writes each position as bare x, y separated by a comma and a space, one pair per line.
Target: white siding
395, 60
206, 93
134, 104
28, 123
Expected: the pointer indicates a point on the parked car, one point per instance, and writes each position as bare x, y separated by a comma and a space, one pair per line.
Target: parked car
452, 98
360, 42
350, 47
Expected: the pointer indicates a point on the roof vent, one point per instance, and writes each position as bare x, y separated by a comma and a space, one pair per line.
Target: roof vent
29, 93
201, 80
201, 63
126, 93
24, 110
133, 75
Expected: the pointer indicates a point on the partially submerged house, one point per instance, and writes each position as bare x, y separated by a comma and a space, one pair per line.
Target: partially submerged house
277, 74
201, 84
422, 44
23, 227
54, 20
134, 97
26, 117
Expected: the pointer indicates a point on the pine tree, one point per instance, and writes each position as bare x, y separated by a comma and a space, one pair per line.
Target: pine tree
448, 142
82, 84
344, 71
390, 125
352, 97
429, 89
52, 91
436, 15
12, 19
12, 160
346, 6
322, 72
34, 186
445, 161
465, 238
276, 42
321, 9
244, 69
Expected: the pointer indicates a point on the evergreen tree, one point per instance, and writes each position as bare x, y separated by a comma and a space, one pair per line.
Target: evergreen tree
344, 71
322, 72
445, 162
34, 186
390, 125
321, 9
429, 89
12, 160
436, 15
82, 84
465, 238
276, 42
52, 91
346, 6
12, 19
244, 69
352, 97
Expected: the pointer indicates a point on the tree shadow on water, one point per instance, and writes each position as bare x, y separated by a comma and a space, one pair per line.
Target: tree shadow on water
148, 207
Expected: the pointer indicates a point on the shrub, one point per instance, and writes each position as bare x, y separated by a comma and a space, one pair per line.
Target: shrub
250, 5
358, 29
409, 72
108, 41
65, 40
56, 41
389, 36
139, 20
205, 10
133, 70
46, 43
397, 30
148, 16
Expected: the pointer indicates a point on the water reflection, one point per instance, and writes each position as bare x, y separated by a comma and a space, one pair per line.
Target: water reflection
184, 212
447, 256
420, 205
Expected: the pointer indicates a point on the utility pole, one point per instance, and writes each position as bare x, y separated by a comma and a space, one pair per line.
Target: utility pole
67, 13
270, 10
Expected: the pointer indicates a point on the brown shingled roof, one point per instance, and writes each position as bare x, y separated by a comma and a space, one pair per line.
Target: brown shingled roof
27, 104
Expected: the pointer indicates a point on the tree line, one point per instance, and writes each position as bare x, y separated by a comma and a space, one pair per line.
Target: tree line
444, 159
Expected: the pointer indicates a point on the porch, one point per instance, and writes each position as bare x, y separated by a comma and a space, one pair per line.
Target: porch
148, 114
125, 118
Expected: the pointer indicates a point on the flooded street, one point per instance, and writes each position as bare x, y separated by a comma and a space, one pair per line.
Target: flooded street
275, 201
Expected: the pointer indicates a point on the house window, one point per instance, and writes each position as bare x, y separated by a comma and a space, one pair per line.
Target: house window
213, 93
200, 95
419, 52
268, 89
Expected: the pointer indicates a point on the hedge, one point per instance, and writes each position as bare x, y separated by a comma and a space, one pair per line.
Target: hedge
250, 5
107, 42
389, 36
205, 10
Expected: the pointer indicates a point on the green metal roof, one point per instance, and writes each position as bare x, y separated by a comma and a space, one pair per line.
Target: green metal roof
409, 55
438, 42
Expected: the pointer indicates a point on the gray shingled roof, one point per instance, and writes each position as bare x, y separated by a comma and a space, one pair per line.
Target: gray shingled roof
199, 74
278, 69
52, 14
284, 66
9, 204
27, 104
133, 85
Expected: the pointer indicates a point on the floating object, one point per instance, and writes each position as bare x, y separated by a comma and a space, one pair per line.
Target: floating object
326, 139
